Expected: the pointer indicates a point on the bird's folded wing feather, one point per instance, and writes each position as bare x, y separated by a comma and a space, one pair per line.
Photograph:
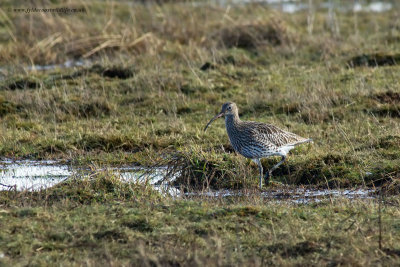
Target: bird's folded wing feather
272, 134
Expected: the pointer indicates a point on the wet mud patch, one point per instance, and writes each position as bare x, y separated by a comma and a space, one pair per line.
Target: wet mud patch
207, 66
390, 141
8, 107
299, 249
388, 97
387, 111
118, 72
254, 35
111, 235
183, 110
384, 104
112, 71
137, 224
374, 60
225, 60
391, 252
21, 84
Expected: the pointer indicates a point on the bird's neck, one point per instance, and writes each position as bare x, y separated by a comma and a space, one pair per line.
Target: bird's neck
232, 122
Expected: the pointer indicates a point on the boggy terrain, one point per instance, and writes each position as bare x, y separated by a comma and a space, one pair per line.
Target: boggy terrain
98, 220
153, 75
135, 83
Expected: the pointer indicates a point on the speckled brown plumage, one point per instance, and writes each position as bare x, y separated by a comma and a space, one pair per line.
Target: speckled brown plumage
256, 140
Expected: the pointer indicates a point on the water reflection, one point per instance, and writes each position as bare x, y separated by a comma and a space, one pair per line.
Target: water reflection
31, 175
36, 175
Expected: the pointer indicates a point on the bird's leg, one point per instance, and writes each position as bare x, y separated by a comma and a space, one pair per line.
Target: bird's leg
260, 169
269, 172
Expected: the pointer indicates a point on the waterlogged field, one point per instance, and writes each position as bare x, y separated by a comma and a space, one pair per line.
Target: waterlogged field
125, 89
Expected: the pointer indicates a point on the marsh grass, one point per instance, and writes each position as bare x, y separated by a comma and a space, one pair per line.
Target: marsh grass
146, 95
158, 72
99, 220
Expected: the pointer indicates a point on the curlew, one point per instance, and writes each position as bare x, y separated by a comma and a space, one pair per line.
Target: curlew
257, 140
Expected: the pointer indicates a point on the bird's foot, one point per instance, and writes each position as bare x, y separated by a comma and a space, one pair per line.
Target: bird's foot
267, 178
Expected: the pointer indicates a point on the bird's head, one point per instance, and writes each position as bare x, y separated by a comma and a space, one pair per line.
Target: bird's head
228, 109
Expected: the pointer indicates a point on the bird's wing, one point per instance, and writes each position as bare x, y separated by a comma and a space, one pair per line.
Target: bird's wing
272, 134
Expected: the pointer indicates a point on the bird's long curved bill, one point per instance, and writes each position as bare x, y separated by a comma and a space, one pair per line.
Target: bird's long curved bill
213, 119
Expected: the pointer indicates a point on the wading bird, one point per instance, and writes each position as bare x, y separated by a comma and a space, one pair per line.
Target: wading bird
256, 140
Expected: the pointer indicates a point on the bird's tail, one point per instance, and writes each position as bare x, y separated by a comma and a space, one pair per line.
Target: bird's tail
309, 140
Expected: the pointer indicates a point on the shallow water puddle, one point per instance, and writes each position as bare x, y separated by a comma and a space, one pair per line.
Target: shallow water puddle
67, 64
154, 177
36, 175
309, 195
299, 196
292, 6
31, 175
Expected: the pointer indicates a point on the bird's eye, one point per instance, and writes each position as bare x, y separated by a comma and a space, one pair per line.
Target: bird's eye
229, 108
